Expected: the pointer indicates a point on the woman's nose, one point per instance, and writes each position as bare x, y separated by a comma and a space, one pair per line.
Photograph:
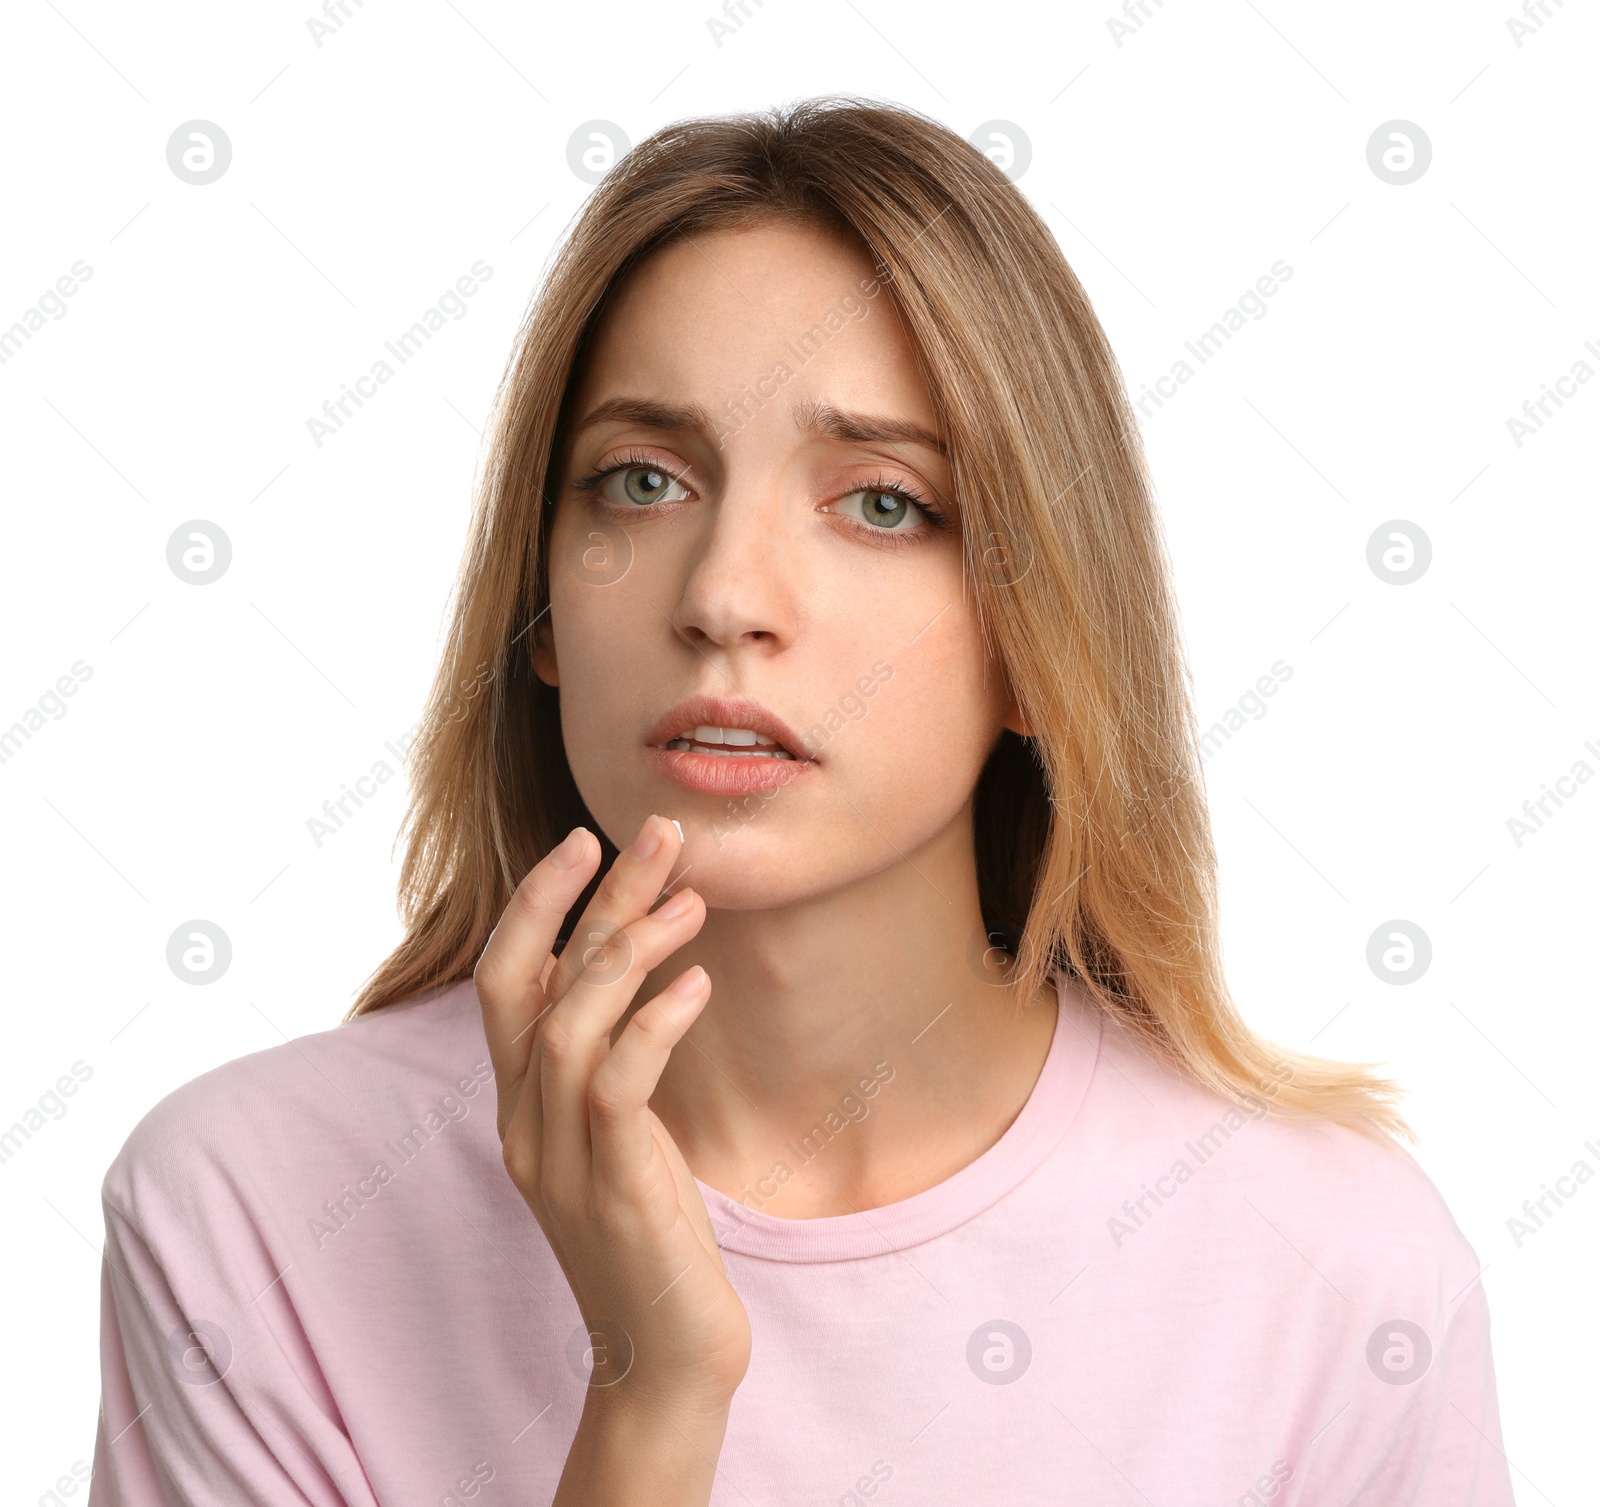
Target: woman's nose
741, 574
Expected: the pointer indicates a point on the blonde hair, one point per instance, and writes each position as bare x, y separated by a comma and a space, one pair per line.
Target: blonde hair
1094, 848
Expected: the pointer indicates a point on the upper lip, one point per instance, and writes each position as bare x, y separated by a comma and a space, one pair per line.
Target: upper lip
719, 711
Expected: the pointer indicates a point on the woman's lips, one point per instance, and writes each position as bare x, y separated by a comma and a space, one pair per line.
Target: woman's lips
726, 774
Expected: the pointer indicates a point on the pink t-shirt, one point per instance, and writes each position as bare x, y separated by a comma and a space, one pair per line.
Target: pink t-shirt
321, 1287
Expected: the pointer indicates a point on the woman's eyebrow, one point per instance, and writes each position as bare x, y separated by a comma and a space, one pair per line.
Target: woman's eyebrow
811, 416
862, 428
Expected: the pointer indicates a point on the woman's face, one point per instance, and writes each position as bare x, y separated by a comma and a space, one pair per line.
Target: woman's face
758, 543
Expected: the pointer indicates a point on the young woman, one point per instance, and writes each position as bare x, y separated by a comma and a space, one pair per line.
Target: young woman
807, 1075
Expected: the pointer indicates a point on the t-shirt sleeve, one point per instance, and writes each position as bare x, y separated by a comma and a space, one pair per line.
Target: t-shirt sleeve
1446, 1448
210, 1394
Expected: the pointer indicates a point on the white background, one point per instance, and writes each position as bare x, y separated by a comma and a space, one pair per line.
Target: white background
370, 172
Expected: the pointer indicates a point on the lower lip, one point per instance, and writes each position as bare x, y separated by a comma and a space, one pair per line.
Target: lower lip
727, 774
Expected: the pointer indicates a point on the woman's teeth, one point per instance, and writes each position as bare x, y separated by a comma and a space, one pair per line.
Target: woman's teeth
730, 742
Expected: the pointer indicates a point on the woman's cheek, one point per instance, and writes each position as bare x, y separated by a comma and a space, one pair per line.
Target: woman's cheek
925, 727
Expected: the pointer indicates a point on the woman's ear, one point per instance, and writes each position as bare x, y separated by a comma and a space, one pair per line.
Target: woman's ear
544, 651
1017, 722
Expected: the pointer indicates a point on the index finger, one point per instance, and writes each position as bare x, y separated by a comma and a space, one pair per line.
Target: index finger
600, 949
510, 971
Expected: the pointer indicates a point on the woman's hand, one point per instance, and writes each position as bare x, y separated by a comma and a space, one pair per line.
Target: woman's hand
610, 1189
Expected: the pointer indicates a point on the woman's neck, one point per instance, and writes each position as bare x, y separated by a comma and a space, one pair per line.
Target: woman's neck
870, 1004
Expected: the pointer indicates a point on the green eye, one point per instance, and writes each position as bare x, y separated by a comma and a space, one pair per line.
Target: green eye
884, 508
646, 484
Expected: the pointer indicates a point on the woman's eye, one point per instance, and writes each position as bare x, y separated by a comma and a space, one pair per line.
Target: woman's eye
885, 510
643, 485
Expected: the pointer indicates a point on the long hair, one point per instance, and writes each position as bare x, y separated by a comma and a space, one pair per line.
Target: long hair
1093, 842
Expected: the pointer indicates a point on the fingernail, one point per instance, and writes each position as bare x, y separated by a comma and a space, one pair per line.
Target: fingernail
565, 856
678, 905
690, 984
648, 840
679, 825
